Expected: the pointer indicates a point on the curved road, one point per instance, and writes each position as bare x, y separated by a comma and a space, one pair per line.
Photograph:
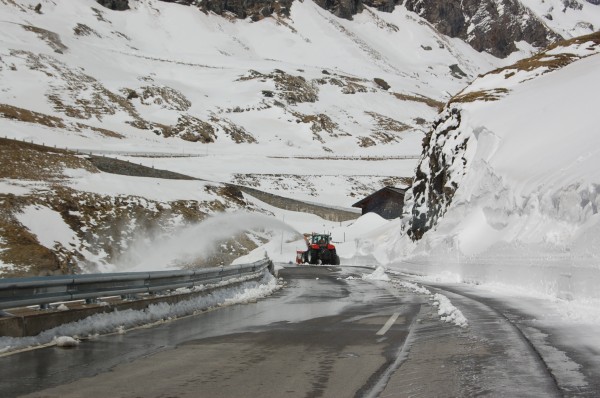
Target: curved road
328, 333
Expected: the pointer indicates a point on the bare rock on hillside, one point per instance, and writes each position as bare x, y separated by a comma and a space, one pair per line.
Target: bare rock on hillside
237, 133
117, 5
290, 88
342, 8
165, 97
189, 128
254, 9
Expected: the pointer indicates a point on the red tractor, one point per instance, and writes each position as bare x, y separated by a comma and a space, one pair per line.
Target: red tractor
319, 250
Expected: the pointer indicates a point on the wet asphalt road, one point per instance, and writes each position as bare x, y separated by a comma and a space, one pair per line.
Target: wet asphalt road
324, 335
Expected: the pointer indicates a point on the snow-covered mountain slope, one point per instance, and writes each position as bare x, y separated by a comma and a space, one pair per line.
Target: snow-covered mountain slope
508, 188
163, 77
498, 27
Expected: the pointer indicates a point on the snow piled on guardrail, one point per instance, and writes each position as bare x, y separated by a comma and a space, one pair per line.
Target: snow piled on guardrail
121, 321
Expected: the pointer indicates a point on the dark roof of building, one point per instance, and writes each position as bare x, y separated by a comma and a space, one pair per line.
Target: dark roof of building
399, 191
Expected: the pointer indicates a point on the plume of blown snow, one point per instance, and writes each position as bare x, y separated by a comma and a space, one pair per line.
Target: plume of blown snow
191, 242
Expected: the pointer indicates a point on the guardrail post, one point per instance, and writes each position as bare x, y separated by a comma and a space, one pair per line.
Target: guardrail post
271, 268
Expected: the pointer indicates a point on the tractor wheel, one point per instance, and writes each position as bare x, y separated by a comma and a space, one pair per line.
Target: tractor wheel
312, 257
336, 260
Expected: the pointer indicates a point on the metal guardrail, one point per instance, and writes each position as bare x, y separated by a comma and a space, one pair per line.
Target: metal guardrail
20, 292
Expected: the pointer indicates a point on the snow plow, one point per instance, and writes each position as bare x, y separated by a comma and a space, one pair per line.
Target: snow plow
319, 250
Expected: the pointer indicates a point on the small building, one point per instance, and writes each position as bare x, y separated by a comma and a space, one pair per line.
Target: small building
388, 202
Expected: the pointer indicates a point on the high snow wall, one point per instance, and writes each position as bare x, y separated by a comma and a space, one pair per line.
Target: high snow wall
508, 188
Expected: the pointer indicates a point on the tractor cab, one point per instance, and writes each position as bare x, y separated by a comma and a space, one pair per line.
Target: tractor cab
321, 240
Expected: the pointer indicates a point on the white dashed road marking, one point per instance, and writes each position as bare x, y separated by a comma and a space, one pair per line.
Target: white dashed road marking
388, 324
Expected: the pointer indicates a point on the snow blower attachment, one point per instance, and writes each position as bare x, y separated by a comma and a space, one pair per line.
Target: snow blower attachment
319, 250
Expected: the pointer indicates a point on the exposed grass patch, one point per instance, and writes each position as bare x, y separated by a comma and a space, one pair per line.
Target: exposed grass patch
29, 116
20, 248
163, 96
25, 161
543, 62
237, 133
75, 93
25, 115
84, 30
12, 3
291, 89
365, 142
348, 84
320, 123
51, 38
387, 124
549, 61
422, 99
482, 95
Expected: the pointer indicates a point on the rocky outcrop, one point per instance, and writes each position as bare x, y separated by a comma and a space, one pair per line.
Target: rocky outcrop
118, 5
489, 25
347, 8
255, 9
341, 8
438, 174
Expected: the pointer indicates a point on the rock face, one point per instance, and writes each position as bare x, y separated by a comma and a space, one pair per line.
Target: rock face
255, 9
438, 175
118, 5
342, 8
489, 25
